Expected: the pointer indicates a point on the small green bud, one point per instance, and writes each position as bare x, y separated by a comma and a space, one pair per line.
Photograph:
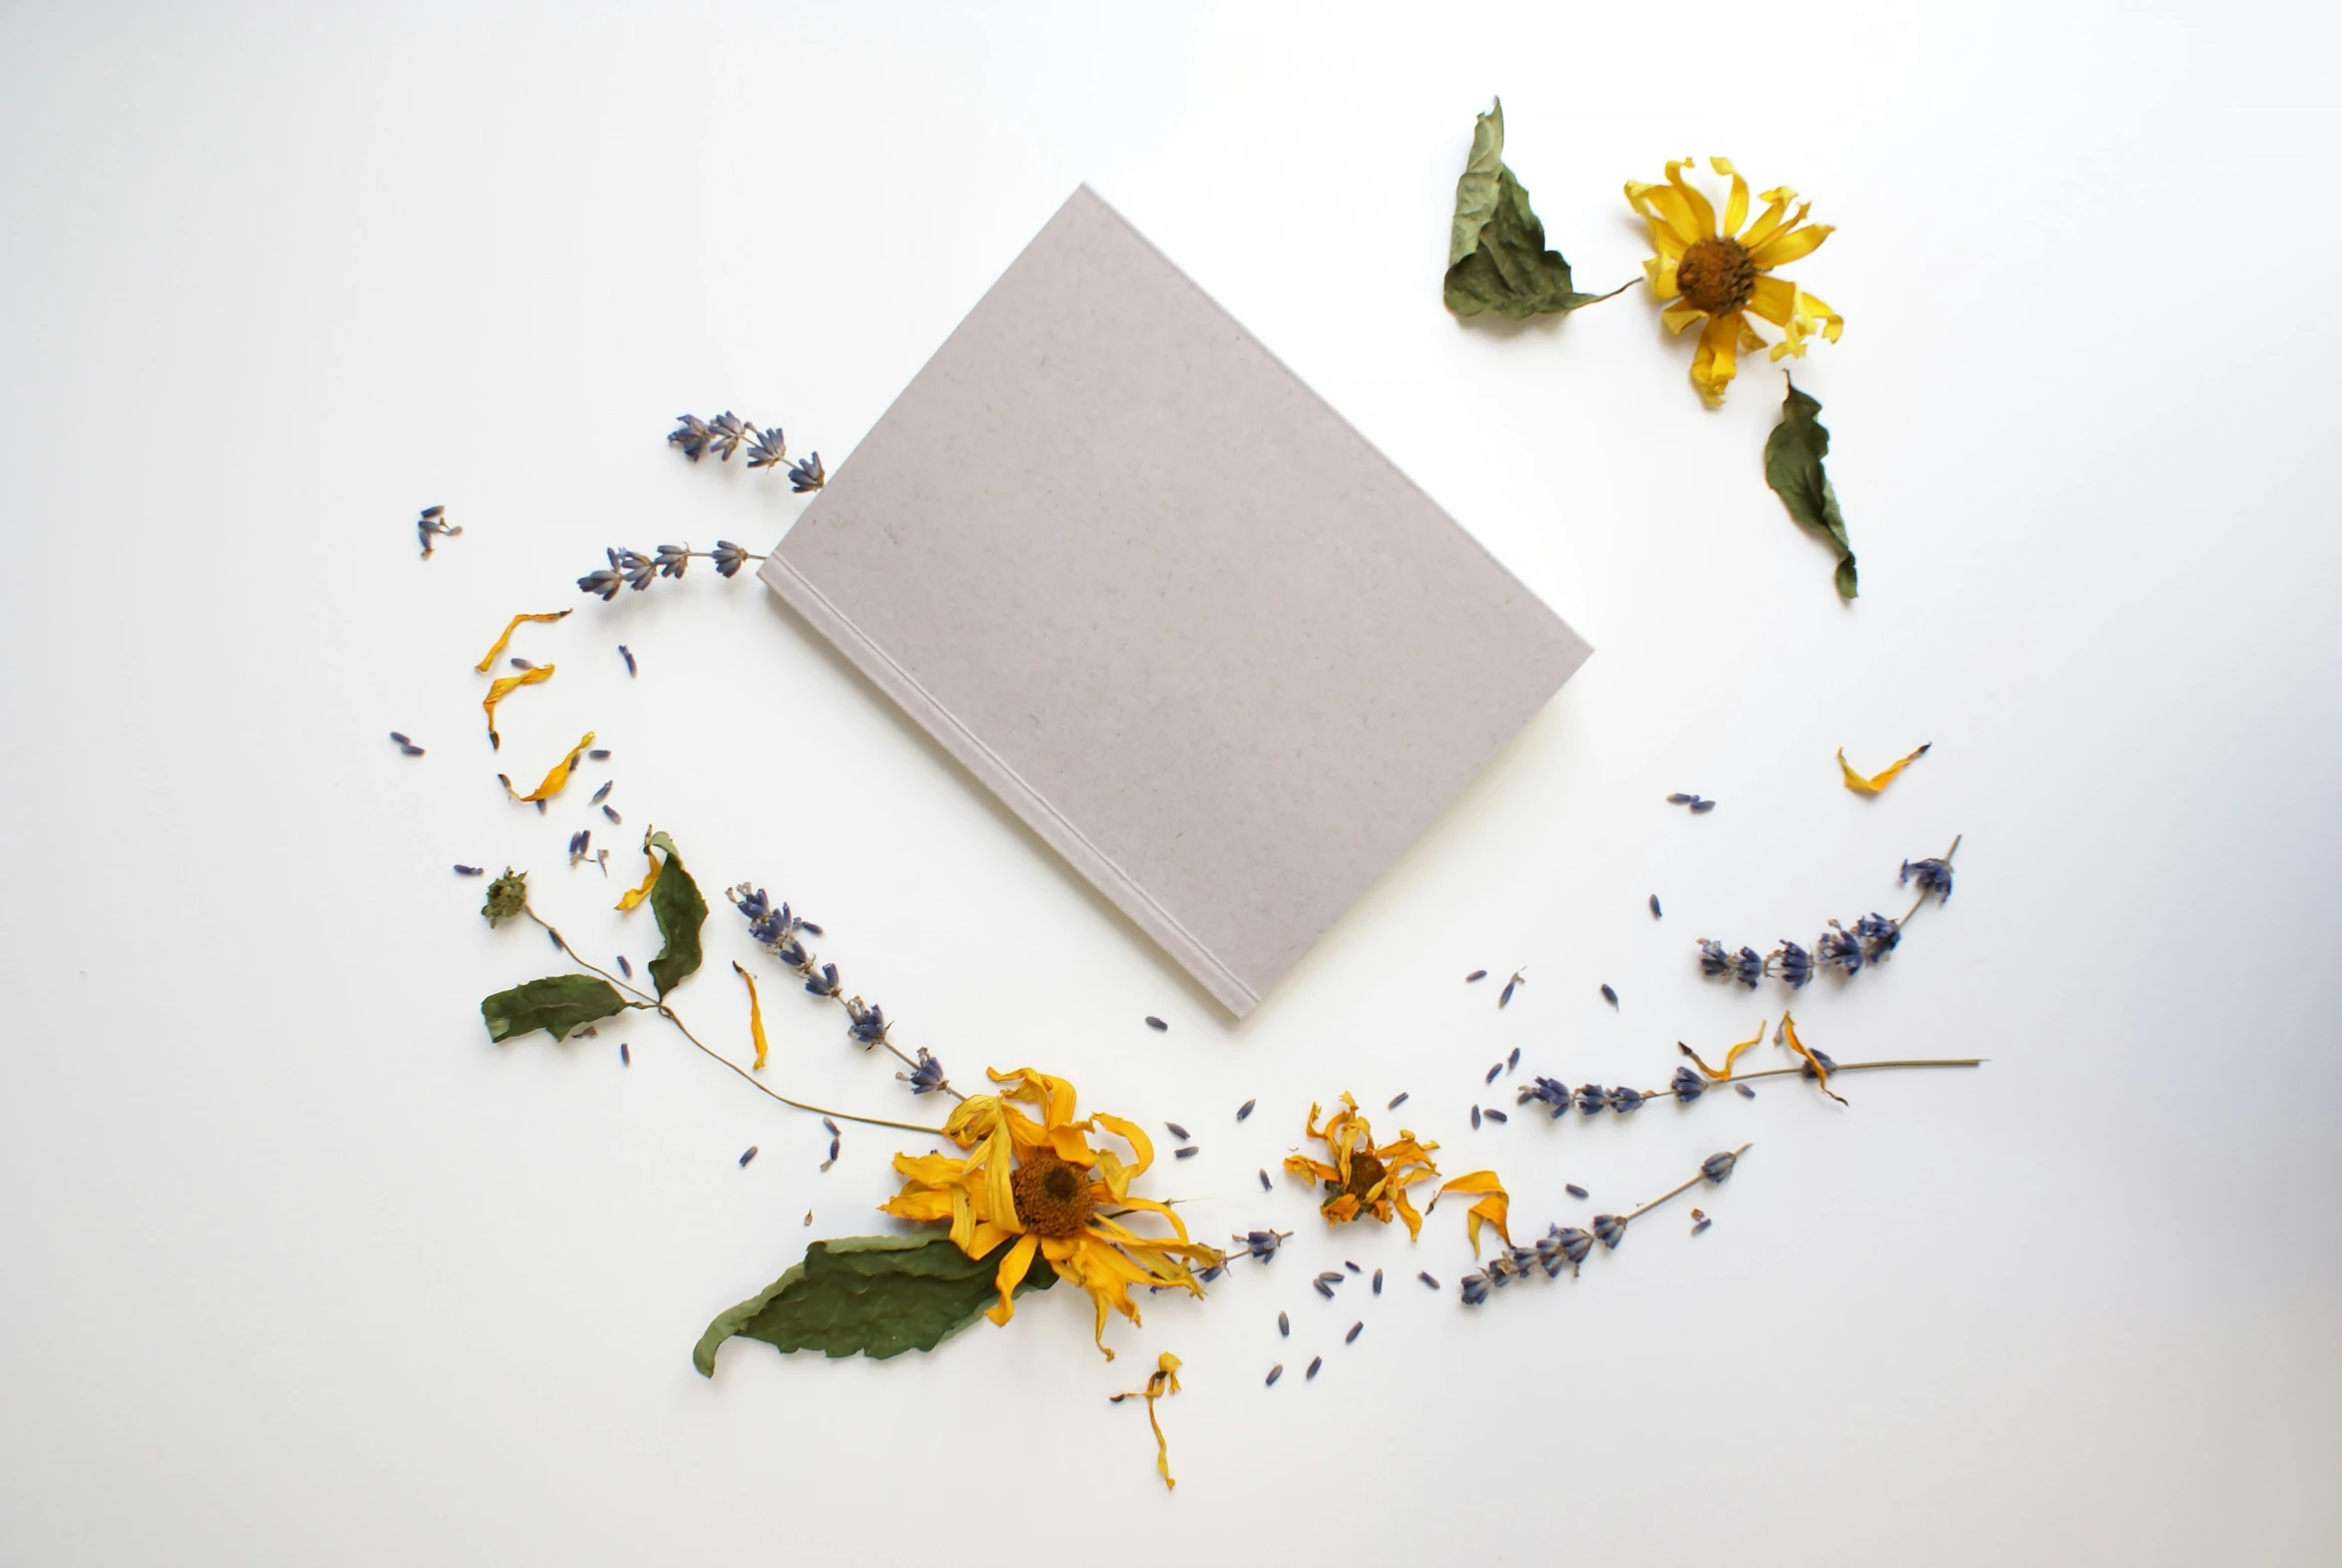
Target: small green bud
507, 896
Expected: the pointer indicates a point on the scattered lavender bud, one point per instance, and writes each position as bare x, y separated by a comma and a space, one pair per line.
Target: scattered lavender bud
1701, 1226
1323, 1288
471, 871
611, 814
832, 1125
1513, 1062
1245, 1109
1609, 995
624, 967
1476, 1117
1492, 1072
1746, 1093
1356, 1329
1377, 1282
1396, 1100
602, 793
1352, 1268
625, 1056
627, 655
519, 663
600, 753
1496, 1116
1315, 1362
1654, 907
555, 938
1264, 1178
1331, 1276
1718, 1166
399, 740
1476, 974
1504, 997
1284, 1325
1681, 798
412, 750
833, 1160
1187, 1153
1157, 1024
1427, 1280
747, 1155
1573, 1189
1276, 1371
1177, 1131
1703, 805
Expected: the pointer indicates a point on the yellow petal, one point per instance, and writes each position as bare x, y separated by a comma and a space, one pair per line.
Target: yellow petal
1750, 342
635, 895
1730, 1056
1661, 271
755, 1013
1678, 316
1160, 1382
1821, 1073
1783, 249
558, 777
1012, 1270
1775, 300
1816, 312
1714, 362
1414, 1222
1771, 221
510, 627
1670, 215
1140, 1146
1736, 206
1878, 780
503, 686
1703, 217
1491, 1209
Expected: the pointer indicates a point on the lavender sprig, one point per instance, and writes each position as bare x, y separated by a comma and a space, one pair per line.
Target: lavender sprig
632, 569
1566, 1247
1686, 1086
778, 930
1836, 950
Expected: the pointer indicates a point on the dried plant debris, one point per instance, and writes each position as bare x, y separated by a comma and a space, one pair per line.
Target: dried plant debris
1157, 1024
433, 524
1497, 255
1795, 473
1476, 976
1245, 1109
747, 1155
471, 871
627, 654
407, 748
1699, 804
1872, 784
1654, 907
1520, 979
1609, 995
1838, 949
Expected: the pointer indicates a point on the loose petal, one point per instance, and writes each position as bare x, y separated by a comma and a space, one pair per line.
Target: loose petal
1812, 1060
635, 895
511, 627
756, 1016
1493, 1208
503, 686
1878, 780
559, 777
1163, 1380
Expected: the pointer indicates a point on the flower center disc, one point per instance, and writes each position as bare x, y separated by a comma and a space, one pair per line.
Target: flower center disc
1053, 1197
1365, 1172
1717, 274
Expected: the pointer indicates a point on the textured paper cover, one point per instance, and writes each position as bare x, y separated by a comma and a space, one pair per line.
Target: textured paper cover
1165, 603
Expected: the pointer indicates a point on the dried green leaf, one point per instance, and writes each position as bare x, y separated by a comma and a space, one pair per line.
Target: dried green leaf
1496, 256
1793, 467
681, 911
556, 1004
875, 1296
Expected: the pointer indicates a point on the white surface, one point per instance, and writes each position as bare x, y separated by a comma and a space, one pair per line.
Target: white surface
300, 1269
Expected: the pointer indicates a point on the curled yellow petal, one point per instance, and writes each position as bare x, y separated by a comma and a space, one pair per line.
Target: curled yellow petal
1716, 360
1873, 783
1821, 1073
558, 777
1730, 1056
1017, 1261
1789, 245
635, 895
755, 1013
1736, 207
1493, 1208
503, 686
511, 627
1164, 1379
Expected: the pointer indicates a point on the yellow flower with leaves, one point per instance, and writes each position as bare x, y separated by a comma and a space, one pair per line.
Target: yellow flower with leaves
1037, 1179
1365, 1178
1722, 274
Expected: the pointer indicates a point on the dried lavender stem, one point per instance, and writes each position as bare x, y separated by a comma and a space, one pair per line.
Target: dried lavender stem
1697, 1177
813, 962
1842, 1067
659, 1006
1922, 900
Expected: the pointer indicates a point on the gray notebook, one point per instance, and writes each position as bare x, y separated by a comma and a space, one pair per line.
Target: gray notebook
1214, 649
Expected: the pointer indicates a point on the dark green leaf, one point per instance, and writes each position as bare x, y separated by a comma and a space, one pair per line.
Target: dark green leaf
1793, 467
680, 911
877, 1295
556, 1004
1496, 256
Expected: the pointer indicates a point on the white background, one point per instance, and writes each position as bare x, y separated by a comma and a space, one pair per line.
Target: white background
295, 1267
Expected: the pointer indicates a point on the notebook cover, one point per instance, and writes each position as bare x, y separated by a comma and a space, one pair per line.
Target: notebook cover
1157, 596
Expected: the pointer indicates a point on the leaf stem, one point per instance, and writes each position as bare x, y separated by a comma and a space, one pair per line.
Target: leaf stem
659, 1005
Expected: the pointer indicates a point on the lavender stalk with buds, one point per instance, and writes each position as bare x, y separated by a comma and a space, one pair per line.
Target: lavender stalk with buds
1838, 949
777, 930
722, 435
1566, 1247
